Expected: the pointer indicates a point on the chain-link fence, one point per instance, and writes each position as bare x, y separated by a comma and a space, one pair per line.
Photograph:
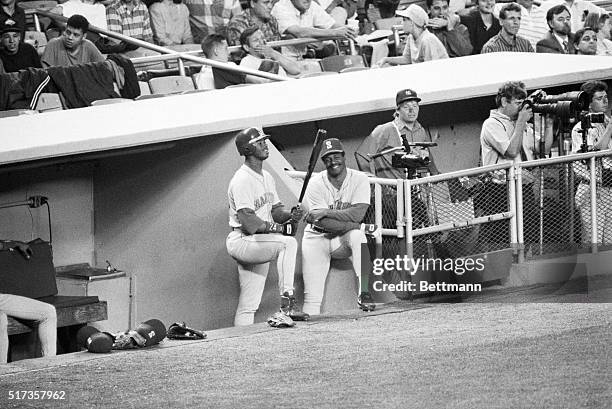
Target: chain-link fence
556, 213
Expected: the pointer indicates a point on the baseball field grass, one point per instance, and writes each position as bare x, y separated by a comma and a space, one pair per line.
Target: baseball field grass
531, 347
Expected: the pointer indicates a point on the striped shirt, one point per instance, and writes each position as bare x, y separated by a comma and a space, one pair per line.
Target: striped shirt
211, 16
239, 23
130, 21
498, 44
533, 23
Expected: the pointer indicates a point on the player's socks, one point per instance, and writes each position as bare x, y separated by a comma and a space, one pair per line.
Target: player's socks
288, 307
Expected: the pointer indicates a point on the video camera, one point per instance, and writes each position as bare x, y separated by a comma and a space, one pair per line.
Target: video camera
565, 106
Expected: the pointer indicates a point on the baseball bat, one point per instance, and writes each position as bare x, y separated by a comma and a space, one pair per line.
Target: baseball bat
314, 155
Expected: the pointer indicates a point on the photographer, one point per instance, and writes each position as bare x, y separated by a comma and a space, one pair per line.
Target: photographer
507, 136
598, 137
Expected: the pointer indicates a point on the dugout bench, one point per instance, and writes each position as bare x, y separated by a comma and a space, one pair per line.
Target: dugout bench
35, 278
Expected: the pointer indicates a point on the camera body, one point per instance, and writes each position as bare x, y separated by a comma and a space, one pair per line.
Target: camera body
413, 164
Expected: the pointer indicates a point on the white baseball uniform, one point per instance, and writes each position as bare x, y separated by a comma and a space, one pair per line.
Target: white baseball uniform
248, 189
317, 248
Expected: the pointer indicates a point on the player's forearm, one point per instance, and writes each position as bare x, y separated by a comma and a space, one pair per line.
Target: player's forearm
354, 214
336, 226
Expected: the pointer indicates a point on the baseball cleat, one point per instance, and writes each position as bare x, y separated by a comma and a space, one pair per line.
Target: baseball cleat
289, 309
280, 320
366, 303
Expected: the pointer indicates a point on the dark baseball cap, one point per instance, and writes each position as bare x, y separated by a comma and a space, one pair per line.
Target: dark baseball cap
406, 95
10, 25
331, 145
249, 136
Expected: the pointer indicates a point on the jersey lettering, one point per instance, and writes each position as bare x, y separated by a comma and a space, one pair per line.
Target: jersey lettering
260, 202
340, 205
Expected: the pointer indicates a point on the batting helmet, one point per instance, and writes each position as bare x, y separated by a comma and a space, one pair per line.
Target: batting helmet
247, 137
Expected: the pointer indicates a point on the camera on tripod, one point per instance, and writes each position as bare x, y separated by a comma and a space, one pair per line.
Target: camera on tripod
565, 106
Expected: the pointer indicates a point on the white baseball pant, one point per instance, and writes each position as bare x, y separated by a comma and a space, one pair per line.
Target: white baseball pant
253, 254
317, 252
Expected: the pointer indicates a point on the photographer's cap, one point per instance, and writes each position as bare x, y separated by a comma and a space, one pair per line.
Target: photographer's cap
406, 95
331, 145
249, 136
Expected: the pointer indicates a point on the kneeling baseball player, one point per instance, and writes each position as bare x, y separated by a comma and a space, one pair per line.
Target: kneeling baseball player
261, 232
337, 199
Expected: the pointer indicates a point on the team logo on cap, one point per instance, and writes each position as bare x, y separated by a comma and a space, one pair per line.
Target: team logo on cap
260, 135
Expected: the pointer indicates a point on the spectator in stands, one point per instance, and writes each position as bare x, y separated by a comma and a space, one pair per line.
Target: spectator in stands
93, 10
215, 48
305, 18
559, 38
381, 9
481, 24
598, 137
340, 10
263, 57
259, 14
28, 309
449, 30
170, 22
585, 41
578, 9
9, 10
130, 18
211, 16
533, 21
507, 38
72, 48
602, 23
14, 54
421, 45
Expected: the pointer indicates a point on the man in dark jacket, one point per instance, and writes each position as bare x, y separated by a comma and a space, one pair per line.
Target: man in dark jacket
559, 39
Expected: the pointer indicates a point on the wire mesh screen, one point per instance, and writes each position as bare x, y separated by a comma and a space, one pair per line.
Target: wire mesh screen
459, 201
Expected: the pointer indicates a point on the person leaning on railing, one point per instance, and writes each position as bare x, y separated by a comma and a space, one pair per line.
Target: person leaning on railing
28, 309
598, 138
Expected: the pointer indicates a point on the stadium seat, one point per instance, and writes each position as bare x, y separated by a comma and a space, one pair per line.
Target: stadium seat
316, 74
337, 63
171, 85
17, 112
149, 96
204, 81
144, 88
387, 23
110, 101
49, 102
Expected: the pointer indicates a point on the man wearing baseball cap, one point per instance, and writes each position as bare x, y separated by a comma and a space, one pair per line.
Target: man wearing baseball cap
391, 134
421, 44
337, 200
262, 231
14, 54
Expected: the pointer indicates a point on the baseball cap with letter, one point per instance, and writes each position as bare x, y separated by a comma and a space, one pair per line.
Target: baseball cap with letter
331, 145
247, 137
406, 95
10, 25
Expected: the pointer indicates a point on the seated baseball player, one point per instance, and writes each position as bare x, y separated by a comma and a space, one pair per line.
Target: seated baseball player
261, 230
337, 199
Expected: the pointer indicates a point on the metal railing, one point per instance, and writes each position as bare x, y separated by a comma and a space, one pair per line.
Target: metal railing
488, 208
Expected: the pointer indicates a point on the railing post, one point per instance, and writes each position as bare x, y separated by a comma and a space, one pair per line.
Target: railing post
352, 48
378, 217
593, 186
408, 217
519, 210
512, 204
400, 216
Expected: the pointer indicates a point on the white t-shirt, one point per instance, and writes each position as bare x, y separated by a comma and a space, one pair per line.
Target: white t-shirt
94, 13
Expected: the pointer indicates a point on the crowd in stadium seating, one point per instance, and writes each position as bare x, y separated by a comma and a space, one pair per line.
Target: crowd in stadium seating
437, 29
